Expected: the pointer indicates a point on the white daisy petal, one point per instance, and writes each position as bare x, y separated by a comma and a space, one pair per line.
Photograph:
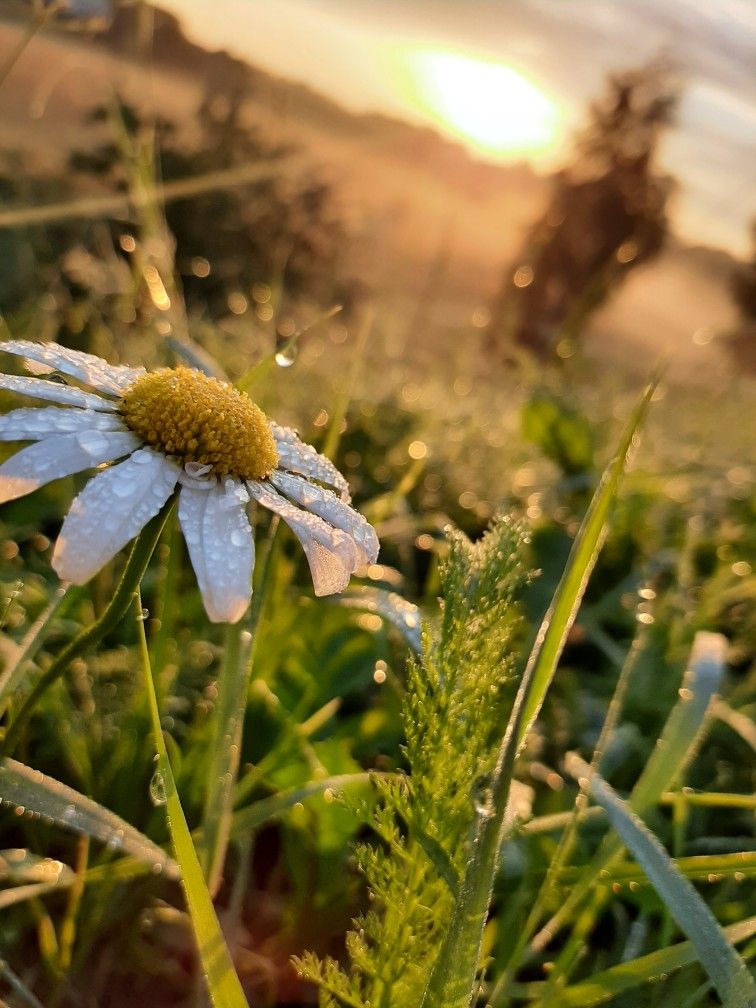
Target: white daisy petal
221, 548
111, 509
55, 392
109, 378
61, 455
302, 458
332, 555
32, 423
332, 509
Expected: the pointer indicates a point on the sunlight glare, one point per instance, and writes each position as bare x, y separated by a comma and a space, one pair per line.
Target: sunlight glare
491, 106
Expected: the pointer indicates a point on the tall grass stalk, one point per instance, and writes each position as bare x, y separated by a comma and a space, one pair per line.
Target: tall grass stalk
222, 982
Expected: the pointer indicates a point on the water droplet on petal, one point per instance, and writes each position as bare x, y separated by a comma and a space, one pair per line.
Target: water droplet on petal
122, 487
93, 442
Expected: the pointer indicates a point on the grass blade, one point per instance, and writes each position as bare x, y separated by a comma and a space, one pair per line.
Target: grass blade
225, 750
34, 791
609, 984
246, 820
222, 982
727, 971
686, 723
679, 741
585, 550
13, 675
390, 606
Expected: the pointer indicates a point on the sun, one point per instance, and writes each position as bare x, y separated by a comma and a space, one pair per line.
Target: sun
492, 107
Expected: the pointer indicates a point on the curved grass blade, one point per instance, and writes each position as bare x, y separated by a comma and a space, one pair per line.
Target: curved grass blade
453, 983
18, 987
727, 971
390, 606
679, 741
222, 982
13, 675
20, 866
254, 816
685, 725
258, 371
604, 987
701, 867
35, 792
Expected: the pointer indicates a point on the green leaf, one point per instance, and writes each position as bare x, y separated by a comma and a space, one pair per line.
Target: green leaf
561, 431
727, 971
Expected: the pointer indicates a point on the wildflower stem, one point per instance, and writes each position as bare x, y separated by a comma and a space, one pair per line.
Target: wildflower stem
229, 724
133, 573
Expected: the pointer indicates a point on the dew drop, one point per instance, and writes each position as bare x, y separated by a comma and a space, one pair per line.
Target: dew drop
93, 442
115, 840
122, 487
157, 789
285, 357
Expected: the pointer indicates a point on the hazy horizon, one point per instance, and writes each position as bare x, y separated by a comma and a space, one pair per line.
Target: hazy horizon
358, 55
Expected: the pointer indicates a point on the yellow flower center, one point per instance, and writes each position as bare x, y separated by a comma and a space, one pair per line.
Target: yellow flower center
184, 413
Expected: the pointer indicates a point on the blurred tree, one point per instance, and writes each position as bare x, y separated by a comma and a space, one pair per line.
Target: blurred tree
606, 215
282, 227
741, 343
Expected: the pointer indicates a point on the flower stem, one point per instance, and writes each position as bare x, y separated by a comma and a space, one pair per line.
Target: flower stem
229, 724
133, 573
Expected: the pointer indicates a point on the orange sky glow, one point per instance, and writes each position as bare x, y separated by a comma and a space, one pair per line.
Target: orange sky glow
439, 63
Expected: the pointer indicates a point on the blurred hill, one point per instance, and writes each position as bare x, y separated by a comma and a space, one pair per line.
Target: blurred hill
425, 215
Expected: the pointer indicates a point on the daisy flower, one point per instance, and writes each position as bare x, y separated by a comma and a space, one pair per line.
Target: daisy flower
175, 427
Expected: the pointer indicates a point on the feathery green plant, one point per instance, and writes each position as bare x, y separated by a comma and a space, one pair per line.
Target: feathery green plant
458, 694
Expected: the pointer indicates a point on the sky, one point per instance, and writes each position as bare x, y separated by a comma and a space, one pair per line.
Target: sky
549, 58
